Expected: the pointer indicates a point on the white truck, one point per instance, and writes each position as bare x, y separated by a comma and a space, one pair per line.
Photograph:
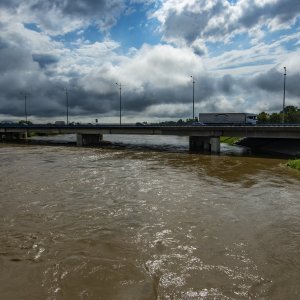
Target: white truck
60, 123
227, 118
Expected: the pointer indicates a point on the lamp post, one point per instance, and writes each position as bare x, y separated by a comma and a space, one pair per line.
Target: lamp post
25, 104
67, 102
193, 98
120, 87
283, 104
25, 96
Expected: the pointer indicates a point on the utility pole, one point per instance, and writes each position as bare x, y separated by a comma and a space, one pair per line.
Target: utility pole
120, 87
193, 98
283, 104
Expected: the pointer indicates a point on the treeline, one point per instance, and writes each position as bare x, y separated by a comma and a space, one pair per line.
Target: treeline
291, 115
179, 122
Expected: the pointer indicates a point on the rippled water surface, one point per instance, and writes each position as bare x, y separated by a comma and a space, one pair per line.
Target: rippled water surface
141, 223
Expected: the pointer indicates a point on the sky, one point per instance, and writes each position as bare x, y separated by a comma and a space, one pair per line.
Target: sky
236, 51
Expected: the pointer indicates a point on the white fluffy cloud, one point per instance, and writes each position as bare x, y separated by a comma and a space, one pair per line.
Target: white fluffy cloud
218, 20
61, 16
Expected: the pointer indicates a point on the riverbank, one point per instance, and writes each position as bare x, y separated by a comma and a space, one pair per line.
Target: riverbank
283, 147
229, 140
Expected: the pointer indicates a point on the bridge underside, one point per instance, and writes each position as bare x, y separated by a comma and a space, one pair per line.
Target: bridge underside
205, 144
13, 136
88, 139
196, 143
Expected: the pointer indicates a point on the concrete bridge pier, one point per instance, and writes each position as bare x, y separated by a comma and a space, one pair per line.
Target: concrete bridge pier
88, 139
13, 136
205, 144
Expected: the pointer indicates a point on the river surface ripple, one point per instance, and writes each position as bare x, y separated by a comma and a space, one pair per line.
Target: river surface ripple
86, 223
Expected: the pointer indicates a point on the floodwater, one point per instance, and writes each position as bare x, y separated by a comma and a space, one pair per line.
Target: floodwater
148, 221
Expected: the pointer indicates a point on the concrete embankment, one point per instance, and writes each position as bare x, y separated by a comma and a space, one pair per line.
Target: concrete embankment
288, 147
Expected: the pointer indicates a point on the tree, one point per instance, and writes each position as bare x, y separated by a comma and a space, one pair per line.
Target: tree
263, 117
275, 118
291, 114
291, 109
22, 122
293, 117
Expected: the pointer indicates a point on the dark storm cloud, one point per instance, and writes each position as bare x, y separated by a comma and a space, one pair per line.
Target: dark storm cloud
227, 84
283, 10
13, 57
272, 81
46, 98
186, 25
69, 7
9, 4
101, 12
44, 59
61, 16
139, 102
91, 7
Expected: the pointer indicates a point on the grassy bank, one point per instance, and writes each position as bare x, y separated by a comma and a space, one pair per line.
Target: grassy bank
295, 164
229, 140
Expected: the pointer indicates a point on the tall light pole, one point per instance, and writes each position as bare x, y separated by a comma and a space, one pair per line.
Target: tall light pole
67, 102
120, 87
193, 98
283, 104
25, 104
25, 96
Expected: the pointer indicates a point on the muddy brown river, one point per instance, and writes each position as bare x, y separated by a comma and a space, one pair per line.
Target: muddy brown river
147, 220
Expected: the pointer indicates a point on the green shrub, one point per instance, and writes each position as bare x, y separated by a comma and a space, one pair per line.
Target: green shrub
229, 140
295, 164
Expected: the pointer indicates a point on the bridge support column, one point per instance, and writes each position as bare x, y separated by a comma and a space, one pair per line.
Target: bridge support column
215, 145
13, 136
205, 144
23, 135
198, 143
88, 139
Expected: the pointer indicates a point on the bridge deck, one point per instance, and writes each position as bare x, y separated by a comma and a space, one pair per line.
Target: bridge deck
258, 131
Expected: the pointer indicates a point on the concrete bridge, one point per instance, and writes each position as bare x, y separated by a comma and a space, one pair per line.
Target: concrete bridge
202, 137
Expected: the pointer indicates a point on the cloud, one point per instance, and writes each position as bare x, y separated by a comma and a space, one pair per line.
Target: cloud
44, 59
59, 17
218, 20
155, 79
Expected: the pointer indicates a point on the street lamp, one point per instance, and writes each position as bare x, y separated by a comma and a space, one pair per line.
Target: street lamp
67, 101
283, 104
120, 87
25, 105
193, 98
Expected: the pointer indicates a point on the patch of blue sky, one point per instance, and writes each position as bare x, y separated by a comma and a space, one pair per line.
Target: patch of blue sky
135, 29
32, 26
132, 29
284, 36
72, 39
239, 42
249, 64
292, 44
232, 1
